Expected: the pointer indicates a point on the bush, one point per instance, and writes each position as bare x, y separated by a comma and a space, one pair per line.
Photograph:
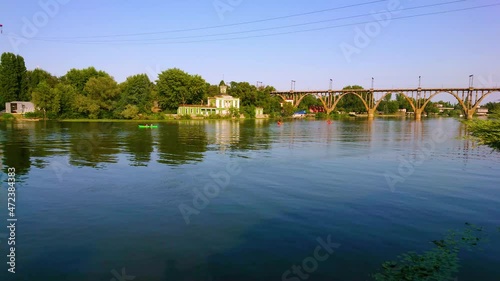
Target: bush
248, 111
186, 117
52, 115
34, 115
486, 131
321, 115
7, 117
130, 112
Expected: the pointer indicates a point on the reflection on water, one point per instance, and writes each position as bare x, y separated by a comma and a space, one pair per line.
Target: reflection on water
26, 144
103, 196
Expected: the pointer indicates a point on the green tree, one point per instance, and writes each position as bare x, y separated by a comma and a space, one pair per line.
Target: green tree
67, 95
79, 77
288, 109
137, 90
246, 92
309, 101
388, 106
176, 87
46, 99
130, 112
352, 102
493, 106
212, 90
99, 97
36, 76
403, 103
13, 85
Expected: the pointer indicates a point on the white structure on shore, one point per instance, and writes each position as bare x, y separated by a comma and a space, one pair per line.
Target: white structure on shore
19, 107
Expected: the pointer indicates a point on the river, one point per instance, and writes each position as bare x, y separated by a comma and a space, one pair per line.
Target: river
243, 200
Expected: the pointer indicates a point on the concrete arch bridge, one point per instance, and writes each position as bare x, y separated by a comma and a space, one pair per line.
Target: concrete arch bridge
469, 98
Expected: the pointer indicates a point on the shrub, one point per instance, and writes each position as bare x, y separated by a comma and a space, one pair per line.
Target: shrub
36, 114
486, 131
7, 116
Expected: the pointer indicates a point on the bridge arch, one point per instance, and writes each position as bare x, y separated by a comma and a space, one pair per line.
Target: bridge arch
460, 101
479, 101
350, 93
410, 101
296, 100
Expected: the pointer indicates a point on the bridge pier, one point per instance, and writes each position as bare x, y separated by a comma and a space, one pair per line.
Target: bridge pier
371, 113
418, 114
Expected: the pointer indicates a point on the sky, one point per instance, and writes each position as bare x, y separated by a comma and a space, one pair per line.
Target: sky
274, 42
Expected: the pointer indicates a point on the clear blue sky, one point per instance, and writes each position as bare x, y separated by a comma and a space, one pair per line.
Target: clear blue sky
444, 49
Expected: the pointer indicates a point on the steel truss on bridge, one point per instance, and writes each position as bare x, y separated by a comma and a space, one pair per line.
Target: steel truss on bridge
468, 98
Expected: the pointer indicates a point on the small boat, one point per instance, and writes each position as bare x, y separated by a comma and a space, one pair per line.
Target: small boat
148, 126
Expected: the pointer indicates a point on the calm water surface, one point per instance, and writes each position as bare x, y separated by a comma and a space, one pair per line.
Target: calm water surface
242, 200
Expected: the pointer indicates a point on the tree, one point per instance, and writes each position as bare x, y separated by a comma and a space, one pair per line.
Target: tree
79, 77
67, 95
130, 112
12, 79
99, 97
493, 106
137, 90
403, 103
431, 108
309, 101
352, 102
35, 77
388, 107
212, 90
46, 99
243, 90
176, 87
288, 109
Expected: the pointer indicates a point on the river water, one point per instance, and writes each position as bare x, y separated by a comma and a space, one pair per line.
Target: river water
243, 200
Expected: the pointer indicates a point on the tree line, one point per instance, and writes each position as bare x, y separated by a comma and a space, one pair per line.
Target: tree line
94, 94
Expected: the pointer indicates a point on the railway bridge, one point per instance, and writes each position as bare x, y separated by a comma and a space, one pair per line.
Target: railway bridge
469, 98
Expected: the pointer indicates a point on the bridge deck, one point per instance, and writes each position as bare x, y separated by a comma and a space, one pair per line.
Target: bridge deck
387, 90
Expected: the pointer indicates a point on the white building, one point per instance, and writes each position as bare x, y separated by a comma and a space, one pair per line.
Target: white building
221, 105
20, 107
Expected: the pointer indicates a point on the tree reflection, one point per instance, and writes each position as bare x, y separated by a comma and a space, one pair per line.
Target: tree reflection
182, 143
16, 148
93, 144
139, 146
